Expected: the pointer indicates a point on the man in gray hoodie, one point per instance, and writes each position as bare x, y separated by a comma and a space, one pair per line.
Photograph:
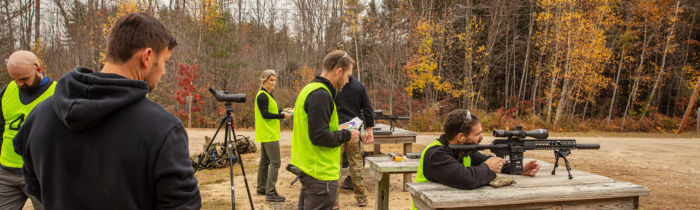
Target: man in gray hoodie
99, 143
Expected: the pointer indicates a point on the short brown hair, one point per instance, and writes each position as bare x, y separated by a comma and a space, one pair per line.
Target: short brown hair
136, 31
337, 58
457, 121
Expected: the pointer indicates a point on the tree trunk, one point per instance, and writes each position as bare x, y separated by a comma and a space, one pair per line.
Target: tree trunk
617, 80
554, 71
637, 76
536, 84
357, 62
512, 85
565, 87
507, 72
8, 26
585, 107
391, 91
523, 78
469, 60
691, 103
37, 23
663, 62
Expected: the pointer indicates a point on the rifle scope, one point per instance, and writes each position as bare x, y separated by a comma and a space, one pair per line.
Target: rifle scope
226, 97
519, 133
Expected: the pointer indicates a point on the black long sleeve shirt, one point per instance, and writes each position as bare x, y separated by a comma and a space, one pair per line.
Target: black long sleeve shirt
319, 108
444, 166
263, 104
353, 101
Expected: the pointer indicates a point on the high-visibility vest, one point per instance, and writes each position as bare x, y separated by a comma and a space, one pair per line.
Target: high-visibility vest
266, 130
321, 163
14, 113
420, 176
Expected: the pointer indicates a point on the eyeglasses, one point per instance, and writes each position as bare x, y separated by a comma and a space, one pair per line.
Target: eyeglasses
338, 61
468, 117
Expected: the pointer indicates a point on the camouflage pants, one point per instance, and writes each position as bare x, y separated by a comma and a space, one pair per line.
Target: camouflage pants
354, 152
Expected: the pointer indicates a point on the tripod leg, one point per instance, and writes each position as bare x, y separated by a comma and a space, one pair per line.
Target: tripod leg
201, 156
227, 142
235, 150
556, 162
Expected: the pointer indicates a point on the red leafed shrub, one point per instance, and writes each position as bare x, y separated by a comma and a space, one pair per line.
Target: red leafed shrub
185, 78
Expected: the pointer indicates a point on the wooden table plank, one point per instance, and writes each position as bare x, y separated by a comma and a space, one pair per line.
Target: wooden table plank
457, 198
543, 190
384, 164
397, 131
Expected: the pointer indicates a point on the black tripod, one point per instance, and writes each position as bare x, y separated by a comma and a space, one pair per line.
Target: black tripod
231, 150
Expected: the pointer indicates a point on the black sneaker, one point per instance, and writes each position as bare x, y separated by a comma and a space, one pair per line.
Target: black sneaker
347, 184
274, 197
261, 192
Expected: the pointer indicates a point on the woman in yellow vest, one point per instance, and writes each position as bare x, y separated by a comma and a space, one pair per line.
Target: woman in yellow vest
267, 133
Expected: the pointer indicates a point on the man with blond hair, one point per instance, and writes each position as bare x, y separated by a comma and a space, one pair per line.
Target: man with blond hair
28, 87
316, 137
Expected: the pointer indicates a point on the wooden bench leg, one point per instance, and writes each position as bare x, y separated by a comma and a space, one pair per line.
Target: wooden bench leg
407, 177
377, 149
382, 190
420, 204
407, 147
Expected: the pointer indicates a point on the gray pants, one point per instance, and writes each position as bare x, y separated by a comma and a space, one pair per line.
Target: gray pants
269, 156
316, 194
13, 194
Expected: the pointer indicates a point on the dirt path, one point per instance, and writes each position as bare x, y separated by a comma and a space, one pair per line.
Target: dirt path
669, 167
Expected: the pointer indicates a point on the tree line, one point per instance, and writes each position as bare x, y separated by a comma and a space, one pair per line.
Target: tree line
614, 65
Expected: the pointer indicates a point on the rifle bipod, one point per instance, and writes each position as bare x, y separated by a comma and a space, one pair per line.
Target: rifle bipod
562, 154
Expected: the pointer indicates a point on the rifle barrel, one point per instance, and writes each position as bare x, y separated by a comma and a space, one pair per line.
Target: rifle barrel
553, 144
587, 146
389, 117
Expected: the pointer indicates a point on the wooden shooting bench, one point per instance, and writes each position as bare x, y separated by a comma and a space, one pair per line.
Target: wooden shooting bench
384, 136
381, 167
398, 136
544, 191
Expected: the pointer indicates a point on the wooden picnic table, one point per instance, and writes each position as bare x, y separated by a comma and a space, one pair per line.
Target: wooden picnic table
382, 167
544, 191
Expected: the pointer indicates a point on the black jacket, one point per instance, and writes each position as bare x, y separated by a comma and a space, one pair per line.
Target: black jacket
353, 101
444, 166
319, 108
99, 143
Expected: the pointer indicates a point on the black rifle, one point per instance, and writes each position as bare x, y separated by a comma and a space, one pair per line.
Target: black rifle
379, 114
512, 148
294, 170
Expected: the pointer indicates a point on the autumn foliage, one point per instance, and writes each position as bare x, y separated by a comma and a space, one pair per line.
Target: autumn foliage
185, 78
569, 65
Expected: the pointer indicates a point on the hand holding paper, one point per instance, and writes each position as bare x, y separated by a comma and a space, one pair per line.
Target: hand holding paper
353, 124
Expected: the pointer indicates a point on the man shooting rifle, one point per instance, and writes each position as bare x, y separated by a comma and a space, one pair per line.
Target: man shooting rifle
439, 163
